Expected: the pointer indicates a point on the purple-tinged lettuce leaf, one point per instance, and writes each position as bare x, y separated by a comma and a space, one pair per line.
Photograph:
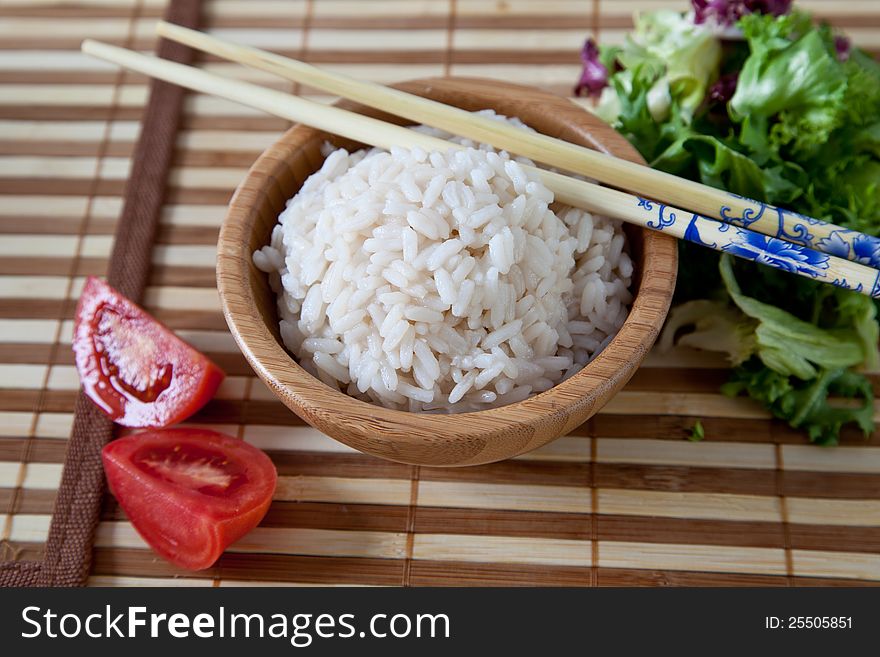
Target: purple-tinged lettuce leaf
594, 76
772, 7
727, 12
722, 89
723, 12
842, 46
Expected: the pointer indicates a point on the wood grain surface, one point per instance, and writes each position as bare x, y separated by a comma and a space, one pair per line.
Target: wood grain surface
622, 500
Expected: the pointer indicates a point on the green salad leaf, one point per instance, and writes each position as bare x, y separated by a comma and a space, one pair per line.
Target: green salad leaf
818, 406
676, 60
789, 114
697, 432
792, 74
744, 328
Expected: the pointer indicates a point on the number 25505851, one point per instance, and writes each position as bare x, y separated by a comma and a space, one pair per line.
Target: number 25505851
808, 623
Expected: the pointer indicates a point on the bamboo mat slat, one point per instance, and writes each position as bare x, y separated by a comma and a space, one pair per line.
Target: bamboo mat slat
624, 500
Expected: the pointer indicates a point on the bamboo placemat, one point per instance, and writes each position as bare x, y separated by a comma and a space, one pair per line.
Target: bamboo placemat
624, 501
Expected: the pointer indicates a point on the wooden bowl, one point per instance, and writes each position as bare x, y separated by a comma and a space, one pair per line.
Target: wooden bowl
421, 438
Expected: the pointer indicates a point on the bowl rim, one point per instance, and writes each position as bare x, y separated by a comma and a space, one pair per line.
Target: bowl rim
373, 425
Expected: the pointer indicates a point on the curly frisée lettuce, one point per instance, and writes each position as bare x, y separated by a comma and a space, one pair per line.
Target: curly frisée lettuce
793, 75
818, 406
752, 97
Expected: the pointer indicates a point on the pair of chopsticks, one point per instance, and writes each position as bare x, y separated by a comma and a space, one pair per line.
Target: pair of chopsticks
747, 228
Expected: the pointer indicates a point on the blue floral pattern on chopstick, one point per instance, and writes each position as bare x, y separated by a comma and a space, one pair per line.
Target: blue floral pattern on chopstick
771, 251
777, 253
692, 233
748, 217
841, 282
807, 231
664, 218
852, 245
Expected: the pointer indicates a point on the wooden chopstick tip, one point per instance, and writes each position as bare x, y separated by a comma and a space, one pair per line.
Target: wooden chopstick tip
107, 52
164, 28
100, 50
89, 46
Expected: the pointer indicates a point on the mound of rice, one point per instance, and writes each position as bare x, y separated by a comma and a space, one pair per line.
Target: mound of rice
442, 281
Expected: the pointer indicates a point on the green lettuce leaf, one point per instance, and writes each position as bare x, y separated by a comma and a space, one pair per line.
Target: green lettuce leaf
676, 60
801, 131
784, 343
634, 119
788, 345
798, 82
718, 165
711, 326
820, 406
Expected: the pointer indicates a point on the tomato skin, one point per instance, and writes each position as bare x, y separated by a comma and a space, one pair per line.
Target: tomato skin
186, 524
116, 341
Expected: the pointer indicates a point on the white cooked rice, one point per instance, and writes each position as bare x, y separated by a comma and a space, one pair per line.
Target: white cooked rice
442, 281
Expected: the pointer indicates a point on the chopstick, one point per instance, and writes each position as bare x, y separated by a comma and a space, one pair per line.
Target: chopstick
571, 191
711, 202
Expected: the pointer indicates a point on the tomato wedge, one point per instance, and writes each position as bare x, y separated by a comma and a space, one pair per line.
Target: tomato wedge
190, 493
135, 369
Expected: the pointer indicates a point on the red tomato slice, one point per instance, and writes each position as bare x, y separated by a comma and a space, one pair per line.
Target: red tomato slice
135, 369
190, 493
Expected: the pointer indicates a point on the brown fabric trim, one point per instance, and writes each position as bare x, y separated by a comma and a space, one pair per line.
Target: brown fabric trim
77, 509
20, 573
